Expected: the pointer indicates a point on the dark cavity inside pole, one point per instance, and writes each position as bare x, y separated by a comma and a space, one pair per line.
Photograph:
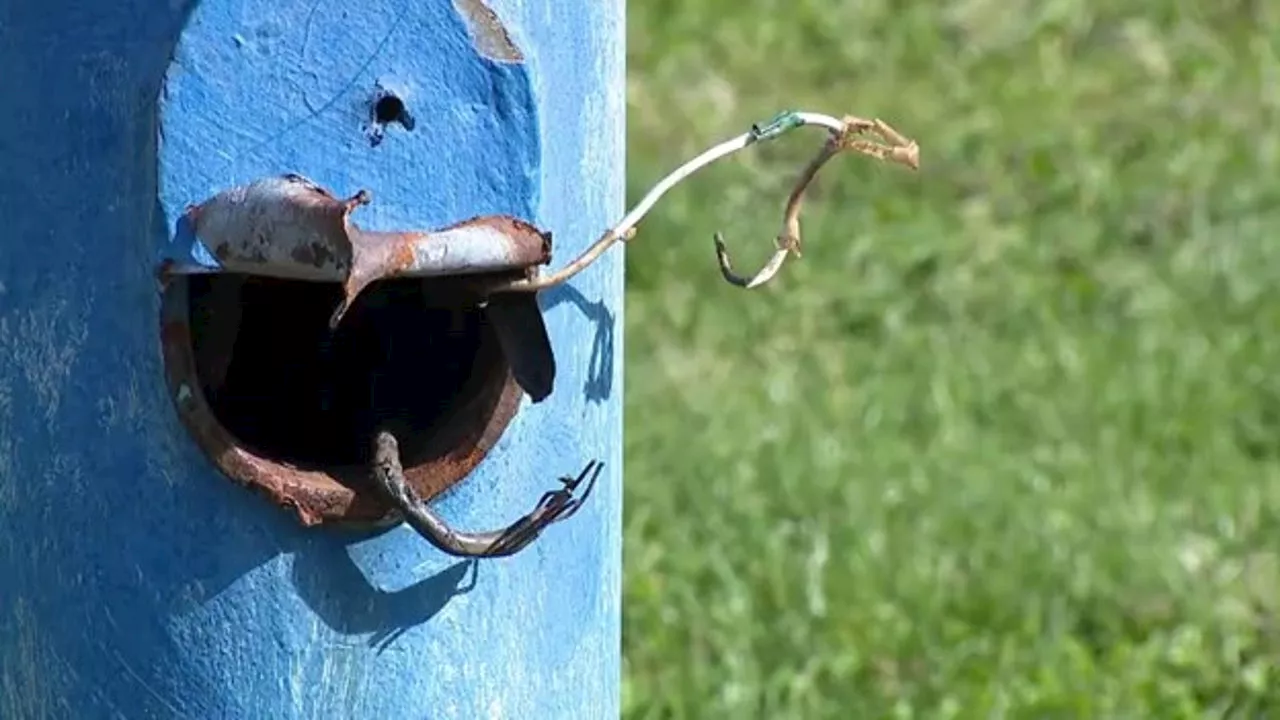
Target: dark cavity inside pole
291, 390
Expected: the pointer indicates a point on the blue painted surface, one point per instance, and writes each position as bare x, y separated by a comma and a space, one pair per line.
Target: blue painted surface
135, 582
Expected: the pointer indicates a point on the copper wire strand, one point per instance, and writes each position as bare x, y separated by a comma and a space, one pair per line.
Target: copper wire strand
845, 135
552, 507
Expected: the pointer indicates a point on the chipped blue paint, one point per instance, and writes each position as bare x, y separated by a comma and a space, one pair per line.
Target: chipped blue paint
135, 582
186, 251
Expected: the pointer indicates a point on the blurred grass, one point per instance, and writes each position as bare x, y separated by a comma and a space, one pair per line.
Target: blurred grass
1005, 442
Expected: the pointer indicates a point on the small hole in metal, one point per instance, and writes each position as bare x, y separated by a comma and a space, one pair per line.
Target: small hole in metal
389, 109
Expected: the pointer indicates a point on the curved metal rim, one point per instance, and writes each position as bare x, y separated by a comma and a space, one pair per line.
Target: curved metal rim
343, 496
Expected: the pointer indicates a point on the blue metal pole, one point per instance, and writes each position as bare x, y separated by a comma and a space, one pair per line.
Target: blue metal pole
135, 580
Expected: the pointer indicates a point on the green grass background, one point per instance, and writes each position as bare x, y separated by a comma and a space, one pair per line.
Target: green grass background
1005, 442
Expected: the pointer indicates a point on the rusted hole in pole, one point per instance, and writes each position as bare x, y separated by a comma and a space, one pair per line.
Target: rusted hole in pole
291, 338
282, 403
300, 394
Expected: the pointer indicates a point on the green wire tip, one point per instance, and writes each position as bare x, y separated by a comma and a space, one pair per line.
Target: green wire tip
780, 123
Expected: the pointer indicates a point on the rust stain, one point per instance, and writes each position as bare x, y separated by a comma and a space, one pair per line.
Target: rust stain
488, 34
315, 254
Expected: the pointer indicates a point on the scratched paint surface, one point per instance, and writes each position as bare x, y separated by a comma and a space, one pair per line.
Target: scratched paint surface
134, 581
